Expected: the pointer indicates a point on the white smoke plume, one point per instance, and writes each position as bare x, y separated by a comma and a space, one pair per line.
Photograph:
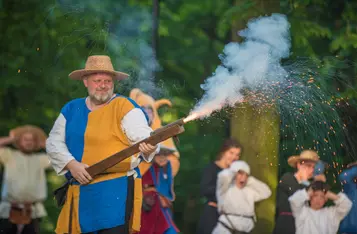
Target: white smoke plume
252, 64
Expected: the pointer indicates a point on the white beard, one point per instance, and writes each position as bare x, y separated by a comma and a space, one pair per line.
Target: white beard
101, 98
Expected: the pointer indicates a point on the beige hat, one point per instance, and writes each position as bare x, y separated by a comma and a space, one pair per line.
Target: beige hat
164, 150
97, 64
39, 134
306, 155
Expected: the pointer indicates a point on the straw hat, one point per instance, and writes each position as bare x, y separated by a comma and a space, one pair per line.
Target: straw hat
166, 151
38, 133
97, 64
306, 155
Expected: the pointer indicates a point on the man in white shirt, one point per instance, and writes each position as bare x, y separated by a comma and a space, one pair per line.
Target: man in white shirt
89, 130
311, 217
24, 187
237, 192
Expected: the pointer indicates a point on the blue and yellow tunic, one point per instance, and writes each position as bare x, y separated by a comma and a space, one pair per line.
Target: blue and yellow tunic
92, 136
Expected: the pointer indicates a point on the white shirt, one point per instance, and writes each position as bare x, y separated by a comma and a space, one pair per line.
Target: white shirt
133, 124
239, 201
24, 180
323, 221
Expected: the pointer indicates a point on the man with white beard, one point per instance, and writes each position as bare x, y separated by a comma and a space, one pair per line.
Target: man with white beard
89, 130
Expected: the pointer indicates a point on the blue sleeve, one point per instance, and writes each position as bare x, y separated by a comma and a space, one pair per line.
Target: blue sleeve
347, 176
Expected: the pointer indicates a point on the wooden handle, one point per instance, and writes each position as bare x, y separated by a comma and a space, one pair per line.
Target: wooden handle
159, 136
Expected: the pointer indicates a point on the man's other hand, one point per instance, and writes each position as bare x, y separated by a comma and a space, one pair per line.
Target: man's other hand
79, 172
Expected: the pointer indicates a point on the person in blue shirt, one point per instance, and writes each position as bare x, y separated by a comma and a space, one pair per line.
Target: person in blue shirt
348, 179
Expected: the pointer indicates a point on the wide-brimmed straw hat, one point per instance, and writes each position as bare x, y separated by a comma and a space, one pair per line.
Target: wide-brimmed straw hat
98, 64
39, 135
166, 151
305, 156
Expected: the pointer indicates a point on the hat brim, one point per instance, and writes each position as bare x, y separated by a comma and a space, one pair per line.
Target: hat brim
166, 151
79, 74
38, 132
293, 160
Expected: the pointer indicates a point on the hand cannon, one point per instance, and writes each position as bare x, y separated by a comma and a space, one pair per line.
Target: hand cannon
159, 135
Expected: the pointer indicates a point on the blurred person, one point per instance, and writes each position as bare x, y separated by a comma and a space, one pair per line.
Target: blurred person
24, 187
152, 106
158, 189
289, 184
89, 130
237, 193
348, 179
311, 217
230, 151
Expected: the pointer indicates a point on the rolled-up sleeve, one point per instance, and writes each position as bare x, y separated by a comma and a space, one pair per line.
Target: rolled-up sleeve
136, 128
56, 146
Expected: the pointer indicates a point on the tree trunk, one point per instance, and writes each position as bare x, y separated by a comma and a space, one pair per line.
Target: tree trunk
258, 131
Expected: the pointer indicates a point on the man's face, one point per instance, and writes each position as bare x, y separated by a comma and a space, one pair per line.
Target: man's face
317, 200
241, 179
306, 169
100, 87
27, 142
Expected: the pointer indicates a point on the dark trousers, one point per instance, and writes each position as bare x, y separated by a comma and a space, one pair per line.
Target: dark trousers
284, 224
6, 227
123, 229
208, 220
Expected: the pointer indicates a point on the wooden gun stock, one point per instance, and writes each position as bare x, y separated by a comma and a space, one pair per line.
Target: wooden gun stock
157, 136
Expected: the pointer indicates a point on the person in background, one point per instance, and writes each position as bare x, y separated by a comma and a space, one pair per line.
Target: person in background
311, 217
348, 179
24, 187
229, 152
289, 184
237, 193
158, 189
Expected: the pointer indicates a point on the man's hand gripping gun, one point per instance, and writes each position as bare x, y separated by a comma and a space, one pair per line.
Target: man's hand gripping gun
159, 135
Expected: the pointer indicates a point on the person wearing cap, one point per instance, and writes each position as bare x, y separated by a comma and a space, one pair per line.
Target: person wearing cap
311, 217
229, 152
158, 189
289, 184
89, 130
348, 178
237, 191
24, 187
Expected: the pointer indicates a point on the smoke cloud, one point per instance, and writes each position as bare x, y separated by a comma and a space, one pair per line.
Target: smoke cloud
253, 64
